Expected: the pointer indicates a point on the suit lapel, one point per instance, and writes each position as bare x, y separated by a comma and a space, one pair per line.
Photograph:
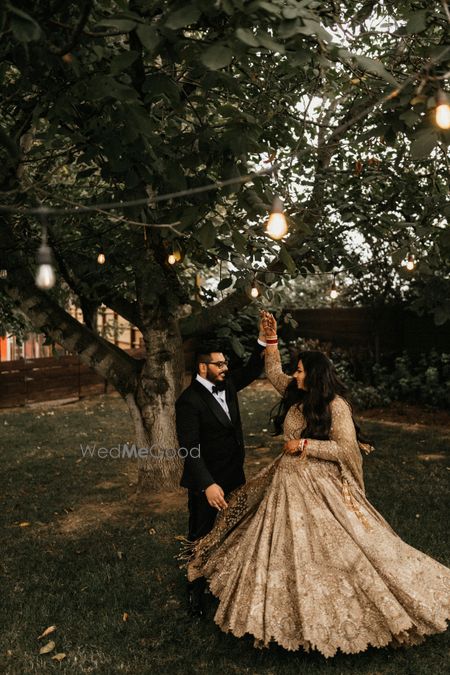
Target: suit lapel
213, 404
231, 399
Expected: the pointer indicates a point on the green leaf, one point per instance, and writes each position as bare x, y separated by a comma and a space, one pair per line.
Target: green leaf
125, 25
374, 67
122, 61
159, 85
290, 12
149, 37
410, 117
237, 346
417, 22
247, 36
423, 144
314, 28
299, 57
103, 86
217, 56
24, 27
224, 283
262, 4
287, 261
441, 315
183, 17
239, 241
207, 235
269, 43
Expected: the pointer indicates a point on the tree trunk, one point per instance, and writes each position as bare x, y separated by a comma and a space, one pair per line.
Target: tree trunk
152, 408
150, 388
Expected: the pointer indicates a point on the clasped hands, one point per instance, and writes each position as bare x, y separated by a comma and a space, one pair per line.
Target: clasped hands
291, 446
296, 446
267, 326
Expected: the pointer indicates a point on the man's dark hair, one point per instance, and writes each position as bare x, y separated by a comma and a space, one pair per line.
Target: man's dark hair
204, 351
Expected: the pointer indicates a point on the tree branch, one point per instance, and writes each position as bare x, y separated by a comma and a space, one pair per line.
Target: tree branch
47, 316
128, 310
78, 29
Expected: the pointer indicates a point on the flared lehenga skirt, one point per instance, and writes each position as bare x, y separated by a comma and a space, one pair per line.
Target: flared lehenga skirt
292, 563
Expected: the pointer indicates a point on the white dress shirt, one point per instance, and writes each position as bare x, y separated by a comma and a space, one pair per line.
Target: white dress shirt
218, 395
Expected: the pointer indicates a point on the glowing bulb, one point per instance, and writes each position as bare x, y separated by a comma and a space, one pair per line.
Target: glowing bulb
101, 259
333, 290
442, 111
45, 277
171, 259
3, 274
410, 263
443, 116
276, 225
254, 292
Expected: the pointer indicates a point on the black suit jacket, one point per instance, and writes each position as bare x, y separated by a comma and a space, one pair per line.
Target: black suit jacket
201, 421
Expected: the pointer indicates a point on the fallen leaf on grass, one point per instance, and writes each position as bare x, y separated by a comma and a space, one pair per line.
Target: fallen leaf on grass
125, 616
49, 647
47, 631
24, 524
152, 530
59, 657
436, 456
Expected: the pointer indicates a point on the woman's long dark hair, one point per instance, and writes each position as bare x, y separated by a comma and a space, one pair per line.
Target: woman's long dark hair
322, 385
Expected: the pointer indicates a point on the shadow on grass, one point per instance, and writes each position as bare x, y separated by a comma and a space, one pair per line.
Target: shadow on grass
98, 562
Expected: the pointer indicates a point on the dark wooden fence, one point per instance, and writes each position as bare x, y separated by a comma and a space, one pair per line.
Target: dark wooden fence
27, 381
388, 331
385, 331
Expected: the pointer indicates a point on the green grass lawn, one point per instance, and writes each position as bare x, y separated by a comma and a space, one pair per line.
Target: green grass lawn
92, 551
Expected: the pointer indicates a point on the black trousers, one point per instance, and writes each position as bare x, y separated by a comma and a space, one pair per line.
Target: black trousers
202, 517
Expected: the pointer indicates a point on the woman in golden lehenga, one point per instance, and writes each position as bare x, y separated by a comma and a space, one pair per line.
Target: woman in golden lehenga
300, 556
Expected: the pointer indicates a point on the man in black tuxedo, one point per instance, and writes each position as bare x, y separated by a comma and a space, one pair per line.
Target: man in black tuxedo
209, 427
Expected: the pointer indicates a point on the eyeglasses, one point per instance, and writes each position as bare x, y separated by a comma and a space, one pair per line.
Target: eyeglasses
219, 364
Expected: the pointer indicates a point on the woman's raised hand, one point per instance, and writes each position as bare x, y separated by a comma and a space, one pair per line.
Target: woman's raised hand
269, 324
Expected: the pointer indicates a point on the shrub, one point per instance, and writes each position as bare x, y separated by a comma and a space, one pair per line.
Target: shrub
424, 379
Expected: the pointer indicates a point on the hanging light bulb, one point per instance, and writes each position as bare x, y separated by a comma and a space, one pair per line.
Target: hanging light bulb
442, 110
3, 274
45, 277
410, 263
176, 255
276, 225
254, 291
334, 290
101, 259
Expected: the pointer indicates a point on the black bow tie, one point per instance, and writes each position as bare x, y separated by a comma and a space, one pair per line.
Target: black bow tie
218, 387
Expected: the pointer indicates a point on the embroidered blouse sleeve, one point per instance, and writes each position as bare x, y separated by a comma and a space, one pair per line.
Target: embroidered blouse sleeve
343, 439
274, 371
343, 449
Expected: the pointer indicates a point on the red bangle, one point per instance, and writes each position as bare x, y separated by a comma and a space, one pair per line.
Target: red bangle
270, 341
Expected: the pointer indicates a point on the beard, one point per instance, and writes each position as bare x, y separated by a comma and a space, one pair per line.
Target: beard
214, 379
